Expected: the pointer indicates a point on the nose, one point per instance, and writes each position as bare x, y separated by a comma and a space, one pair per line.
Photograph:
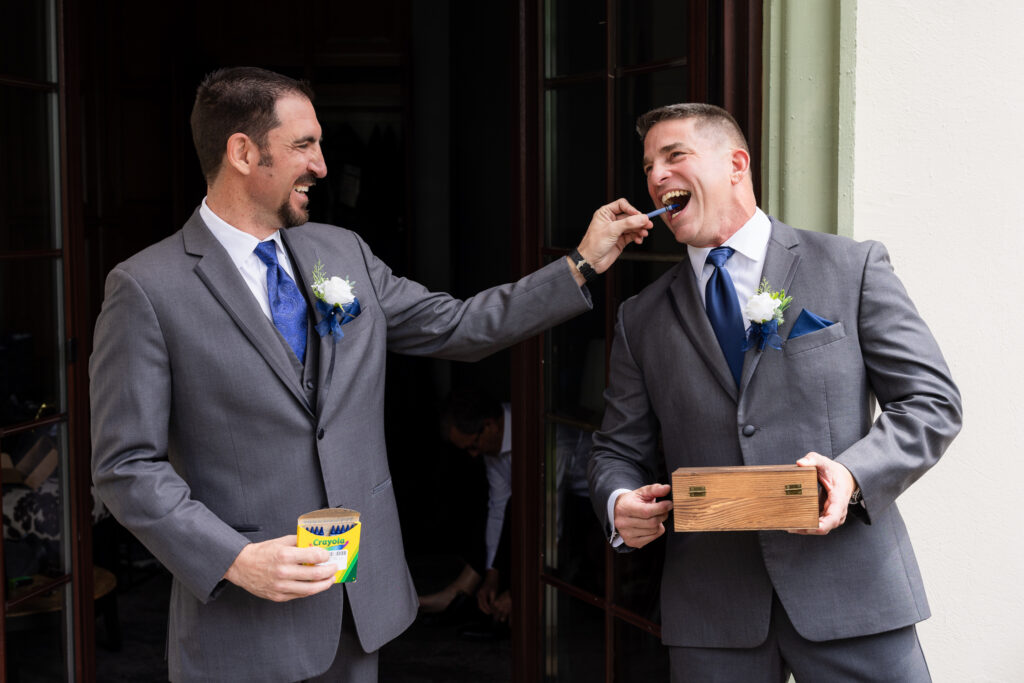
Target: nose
659, 174
317, 163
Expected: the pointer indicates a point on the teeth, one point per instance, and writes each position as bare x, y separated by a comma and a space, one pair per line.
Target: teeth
301, 188
668, 197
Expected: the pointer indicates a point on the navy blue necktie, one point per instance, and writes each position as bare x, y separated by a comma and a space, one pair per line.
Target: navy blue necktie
287, 306
724, 311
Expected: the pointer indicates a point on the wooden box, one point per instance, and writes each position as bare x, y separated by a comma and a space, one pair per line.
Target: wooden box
781, 497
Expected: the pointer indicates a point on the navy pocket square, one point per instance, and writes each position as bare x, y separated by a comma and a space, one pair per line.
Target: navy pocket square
808, 322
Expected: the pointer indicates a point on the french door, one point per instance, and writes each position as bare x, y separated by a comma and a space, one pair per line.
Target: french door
589, 69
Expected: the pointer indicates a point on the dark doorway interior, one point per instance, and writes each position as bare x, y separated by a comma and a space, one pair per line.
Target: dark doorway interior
415, 100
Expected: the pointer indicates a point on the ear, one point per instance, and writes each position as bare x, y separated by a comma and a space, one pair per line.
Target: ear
740, 165
241, 153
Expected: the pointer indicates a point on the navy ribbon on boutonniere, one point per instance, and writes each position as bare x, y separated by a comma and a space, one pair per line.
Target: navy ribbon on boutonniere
763, 334
333, 317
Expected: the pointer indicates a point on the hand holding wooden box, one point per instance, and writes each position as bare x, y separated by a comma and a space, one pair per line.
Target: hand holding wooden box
752, 498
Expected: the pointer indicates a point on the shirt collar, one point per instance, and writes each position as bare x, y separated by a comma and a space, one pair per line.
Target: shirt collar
239, 245
751, 241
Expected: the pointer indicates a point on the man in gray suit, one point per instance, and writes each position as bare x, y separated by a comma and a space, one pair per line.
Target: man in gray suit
835, 604
224, 406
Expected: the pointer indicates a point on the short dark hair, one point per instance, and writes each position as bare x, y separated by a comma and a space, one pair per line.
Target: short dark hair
706, 115
241, 99
467, 409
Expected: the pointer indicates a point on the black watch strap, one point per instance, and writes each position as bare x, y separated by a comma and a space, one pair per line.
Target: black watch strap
586, 270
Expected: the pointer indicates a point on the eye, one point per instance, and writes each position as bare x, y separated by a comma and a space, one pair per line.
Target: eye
647, 169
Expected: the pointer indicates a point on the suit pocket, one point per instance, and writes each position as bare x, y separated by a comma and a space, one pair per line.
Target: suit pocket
357, 323
814, 340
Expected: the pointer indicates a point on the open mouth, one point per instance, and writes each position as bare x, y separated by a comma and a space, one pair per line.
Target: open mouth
678, 197
303, 184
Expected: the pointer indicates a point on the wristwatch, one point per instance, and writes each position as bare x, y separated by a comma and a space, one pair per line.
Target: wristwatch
857, 497
586, 270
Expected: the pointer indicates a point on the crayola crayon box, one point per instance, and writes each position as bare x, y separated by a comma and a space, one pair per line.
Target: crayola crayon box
337, 531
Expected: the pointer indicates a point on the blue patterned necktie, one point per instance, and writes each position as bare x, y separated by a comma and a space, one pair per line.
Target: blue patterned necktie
287, 306
724, 311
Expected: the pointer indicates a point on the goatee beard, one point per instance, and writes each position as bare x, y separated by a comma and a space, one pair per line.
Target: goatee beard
290, 217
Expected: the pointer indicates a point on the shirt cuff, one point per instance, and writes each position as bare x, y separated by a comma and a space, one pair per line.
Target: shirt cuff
614, 538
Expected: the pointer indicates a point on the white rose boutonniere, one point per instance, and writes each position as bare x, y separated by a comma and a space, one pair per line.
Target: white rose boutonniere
335, 301
335, 291
764, 311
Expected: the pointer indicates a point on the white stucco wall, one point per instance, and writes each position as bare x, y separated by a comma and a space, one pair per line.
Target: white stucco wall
938, 148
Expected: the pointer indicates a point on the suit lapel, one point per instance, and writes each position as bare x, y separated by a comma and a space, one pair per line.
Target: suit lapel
780, 264
690, 312
218, 272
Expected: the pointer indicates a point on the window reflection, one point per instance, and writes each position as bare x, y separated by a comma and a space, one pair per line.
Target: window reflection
576, 160
26, 40
574, 650
37, 638
31, 351
576, 36
652, 30
575, 541
27, 183
34, 516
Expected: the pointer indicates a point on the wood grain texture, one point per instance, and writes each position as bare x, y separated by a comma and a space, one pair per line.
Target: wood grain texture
745, 498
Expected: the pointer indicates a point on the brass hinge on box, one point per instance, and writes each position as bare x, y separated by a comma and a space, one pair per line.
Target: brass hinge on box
794, 489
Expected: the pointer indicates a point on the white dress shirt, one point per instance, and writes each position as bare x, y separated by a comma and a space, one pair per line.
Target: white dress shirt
499, 488
745, 267
241, 247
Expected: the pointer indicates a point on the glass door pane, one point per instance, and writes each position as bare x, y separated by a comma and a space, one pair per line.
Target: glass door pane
27, 35
575, 159
652, 30
575, 36
36, 551
31, 340
37, 570
574, 646
29, 210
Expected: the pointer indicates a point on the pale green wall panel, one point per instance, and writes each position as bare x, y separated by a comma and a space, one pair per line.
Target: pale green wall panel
808, 121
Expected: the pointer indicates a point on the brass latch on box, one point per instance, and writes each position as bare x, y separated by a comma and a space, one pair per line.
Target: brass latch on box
698, 492
794, 489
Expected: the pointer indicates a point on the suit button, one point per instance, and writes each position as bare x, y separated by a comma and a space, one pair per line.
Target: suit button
320, 434
310, 385
748, 430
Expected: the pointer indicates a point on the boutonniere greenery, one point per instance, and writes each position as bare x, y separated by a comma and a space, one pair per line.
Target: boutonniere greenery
764, 311
335, 301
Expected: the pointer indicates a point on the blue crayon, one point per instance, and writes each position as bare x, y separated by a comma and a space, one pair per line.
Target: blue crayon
658, 212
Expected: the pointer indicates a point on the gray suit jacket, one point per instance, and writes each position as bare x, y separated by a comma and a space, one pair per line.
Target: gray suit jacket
818, 393
207, 435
